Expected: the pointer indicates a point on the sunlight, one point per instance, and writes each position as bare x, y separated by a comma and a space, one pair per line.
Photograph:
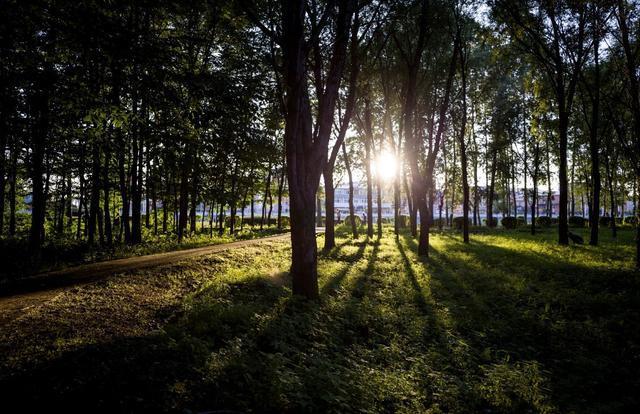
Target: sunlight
386, 165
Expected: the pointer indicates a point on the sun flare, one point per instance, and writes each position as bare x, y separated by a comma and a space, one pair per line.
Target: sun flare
385, 165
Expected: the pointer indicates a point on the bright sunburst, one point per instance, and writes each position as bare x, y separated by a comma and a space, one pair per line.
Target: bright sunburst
385, 165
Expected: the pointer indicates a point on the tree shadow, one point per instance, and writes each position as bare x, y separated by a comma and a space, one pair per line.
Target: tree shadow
578, 323
348, 259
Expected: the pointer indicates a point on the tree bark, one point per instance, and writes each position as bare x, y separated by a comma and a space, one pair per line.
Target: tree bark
39, 132
306, 155
352, 210
463, 148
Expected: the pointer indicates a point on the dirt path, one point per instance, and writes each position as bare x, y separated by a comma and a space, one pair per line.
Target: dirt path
43, 287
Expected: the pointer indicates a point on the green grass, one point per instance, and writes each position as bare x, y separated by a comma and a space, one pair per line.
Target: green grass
508, 323
65, 251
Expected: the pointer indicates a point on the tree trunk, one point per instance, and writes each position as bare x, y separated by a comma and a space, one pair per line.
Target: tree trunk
184, 196
352, 210
491, 193
232, 203
40, 130
306, 155
329, 202
12, 187
536, 172
367, 149
106, 188
280, 193
194, 195
563, 225
3, 145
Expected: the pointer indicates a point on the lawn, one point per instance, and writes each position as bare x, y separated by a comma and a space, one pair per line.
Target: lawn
509, 323
65, 251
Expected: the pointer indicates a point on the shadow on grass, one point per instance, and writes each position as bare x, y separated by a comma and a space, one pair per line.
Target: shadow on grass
474, 328
577, 324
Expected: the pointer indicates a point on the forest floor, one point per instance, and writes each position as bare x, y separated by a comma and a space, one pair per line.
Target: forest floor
509, 323
26, 293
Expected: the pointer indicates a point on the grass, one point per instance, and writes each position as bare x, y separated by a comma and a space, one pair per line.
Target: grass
64, 251
508, 323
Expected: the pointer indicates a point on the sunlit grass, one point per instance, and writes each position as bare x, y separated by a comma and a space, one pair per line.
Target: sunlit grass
509, 323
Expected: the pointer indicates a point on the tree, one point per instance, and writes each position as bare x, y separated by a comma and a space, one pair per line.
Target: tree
553, 33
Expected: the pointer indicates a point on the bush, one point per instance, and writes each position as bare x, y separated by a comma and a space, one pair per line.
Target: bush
403, 221
604, 221
630, 220
491, 223
284, 221
543, 221
521, 221
458, 222
509, 222
439, 222
357, 219
576, 221
258, 220
227, 222
554, 220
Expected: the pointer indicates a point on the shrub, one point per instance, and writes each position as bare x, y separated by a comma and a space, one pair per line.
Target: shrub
238, 222
458, 222
357, 219
491, 223
604, 221
630, 220
509, 222
554, 220
284, 221
439, 222
403, 221
544, 221
258, 220
521, 221
576, 221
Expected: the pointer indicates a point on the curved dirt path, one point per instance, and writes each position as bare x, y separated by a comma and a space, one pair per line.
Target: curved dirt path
43, 287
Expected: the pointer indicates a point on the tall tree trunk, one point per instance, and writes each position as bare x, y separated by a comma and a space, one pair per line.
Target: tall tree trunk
280, 193
106, 188
463, 149
594, 146
185, 171
232, 203
352, 210
306, 155
267, 190
40, 130
329, 202
194, 194
563, 225
12, 187
367, 145
536, 172
491, 192
94, 205
4, 132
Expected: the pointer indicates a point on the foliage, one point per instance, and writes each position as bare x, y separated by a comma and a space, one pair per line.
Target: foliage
604, 221
576, 221
457, 222
348, 219
403, 221
490, 223
544, 221
509, 222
